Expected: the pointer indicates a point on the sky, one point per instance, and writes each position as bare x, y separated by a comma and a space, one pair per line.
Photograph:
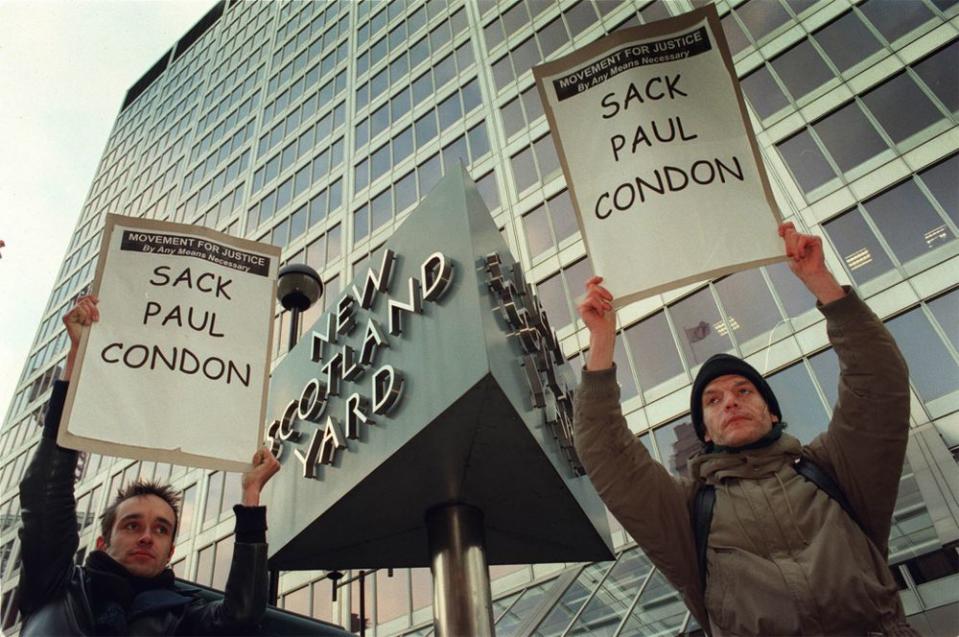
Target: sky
65, 67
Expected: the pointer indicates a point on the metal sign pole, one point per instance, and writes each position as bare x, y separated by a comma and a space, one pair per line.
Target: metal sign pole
462, 601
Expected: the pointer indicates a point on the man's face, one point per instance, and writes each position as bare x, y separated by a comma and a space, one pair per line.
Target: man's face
734, 412
142, 536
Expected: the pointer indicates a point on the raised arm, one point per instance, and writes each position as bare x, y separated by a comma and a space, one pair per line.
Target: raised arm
650, 504
245, 597
867, 436
49, 536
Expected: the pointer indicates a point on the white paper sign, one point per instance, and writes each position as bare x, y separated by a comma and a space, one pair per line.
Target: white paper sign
177, 368
663, 169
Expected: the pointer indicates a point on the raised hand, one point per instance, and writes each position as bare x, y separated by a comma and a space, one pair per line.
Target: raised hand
598, 314
265, 466
83, 314
808, 263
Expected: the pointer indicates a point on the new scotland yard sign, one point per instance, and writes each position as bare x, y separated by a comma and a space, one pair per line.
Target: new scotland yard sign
433, 379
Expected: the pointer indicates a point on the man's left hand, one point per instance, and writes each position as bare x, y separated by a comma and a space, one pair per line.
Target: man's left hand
808, 263
265, 465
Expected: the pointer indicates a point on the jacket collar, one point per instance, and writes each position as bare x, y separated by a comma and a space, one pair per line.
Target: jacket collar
745, 463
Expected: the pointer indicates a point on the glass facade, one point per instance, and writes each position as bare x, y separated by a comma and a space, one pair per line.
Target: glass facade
317, 126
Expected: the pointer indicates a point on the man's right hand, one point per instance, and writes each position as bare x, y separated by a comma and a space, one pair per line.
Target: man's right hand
598, 314
81, 315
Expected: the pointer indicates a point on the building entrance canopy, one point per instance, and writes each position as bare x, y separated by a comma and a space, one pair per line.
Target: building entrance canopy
433, 379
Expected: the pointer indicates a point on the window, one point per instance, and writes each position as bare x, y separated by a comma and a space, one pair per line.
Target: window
606, 609
856, 244
825, 367
538, 235
761, 17
802, 69
221, 562
204, 568
849, 137
677, 441
933, 566
763, 93
885, 102
698, 326
187, 512
945, 309
751, 312
938, 72
895, 19
660, 608
654, 353
907, 221
734, 34
806, 161
214, 492
932, 369
801, 407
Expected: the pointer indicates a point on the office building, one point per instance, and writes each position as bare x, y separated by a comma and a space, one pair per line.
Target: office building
318, 126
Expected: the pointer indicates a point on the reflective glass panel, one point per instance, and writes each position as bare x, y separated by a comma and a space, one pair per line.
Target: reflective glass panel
857, 246
654, 351
806, 161
602, 615
572, 599
697, 323
886, 101
946, 310
507, 625
907, 221
660, 610
624, 375
734, 34
825, 367
763, 93
894, 18
524, 170
932, 369
553, 299
796, 299
938, 71
562, 215
802, 69
222, 561
538, 236
801, 407
677, 441
512, 115
750, 309
942, 180
849, 137
761, 17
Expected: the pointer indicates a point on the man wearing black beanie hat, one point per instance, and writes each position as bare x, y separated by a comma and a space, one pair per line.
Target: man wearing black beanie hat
783, 554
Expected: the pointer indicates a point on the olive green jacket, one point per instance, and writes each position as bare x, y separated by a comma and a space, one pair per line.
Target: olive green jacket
783, 558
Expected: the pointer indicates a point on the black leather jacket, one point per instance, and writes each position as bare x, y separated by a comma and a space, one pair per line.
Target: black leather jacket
55, 593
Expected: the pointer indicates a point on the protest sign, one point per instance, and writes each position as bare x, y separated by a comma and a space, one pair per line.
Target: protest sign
177, 368
659, 156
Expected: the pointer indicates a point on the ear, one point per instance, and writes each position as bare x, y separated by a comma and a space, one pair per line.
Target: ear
774, 418
101, 543
170, 556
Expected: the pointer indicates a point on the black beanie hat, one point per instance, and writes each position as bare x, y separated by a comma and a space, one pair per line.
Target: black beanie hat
721, 365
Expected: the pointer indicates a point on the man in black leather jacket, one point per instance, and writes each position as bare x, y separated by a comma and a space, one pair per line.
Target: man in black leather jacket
126, 587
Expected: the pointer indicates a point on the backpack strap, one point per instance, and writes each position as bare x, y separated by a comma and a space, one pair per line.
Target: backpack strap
703, 504
812, 472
